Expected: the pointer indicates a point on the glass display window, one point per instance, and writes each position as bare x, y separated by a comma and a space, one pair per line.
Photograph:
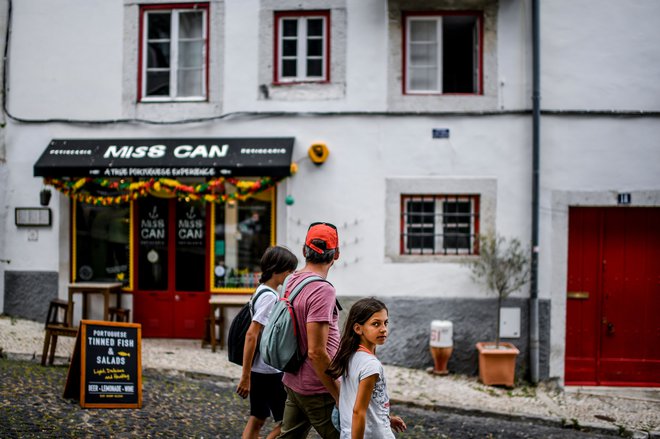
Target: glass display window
242, 231
101, 243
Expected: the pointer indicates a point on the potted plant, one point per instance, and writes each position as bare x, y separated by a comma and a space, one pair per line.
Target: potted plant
503, 266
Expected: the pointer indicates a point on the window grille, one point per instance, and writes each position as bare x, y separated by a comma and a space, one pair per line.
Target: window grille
439, 224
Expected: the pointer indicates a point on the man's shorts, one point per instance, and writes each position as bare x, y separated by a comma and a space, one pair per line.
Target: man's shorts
267, 395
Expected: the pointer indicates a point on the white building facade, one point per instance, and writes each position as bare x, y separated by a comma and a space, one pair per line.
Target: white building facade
425, 108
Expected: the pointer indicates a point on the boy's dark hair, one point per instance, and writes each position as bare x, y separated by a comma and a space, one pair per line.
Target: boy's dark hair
360, 312
275, 260
319, 258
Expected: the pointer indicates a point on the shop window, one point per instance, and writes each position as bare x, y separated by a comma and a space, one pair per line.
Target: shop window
173, 53
243, 230
302, 46
101, 243
442, 53
439, 224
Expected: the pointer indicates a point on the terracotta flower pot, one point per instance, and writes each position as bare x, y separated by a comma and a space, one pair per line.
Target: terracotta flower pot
497, 366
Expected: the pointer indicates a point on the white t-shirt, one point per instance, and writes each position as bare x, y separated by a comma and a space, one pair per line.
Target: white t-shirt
360, 366
262, 308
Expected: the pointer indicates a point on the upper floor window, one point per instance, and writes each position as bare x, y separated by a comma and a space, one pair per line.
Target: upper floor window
442, 53
302, 46
439, 224
174, 53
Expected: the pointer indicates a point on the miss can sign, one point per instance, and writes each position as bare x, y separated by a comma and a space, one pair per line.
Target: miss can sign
106, 368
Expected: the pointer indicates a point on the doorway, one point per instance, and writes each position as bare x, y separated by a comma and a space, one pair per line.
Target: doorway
170, 256
613, 297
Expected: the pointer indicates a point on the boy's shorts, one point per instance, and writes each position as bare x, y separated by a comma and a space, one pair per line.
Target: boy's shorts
267, 395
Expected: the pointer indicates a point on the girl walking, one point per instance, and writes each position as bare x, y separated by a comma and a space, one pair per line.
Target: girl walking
364, 405
260, 381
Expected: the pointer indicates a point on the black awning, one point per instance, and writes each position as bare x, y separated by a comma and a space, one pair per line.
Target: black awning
146, 158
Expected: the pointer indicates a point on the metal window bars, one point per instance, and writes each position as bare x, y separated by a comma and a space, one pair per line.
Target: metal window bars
439, 224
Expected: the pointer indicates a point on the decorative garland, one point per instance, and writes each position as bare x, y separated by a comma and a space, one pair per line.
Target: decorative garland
212, 191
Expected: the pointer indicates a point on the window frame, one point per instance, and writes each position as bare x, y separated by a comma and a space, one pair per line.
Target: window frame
174, 9
408, 16
404, 228
277, 47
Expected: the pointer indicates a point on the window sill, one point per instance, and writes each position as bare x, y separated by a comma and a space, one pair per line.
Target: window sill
442, 102
302, 91
429, 259
171, 101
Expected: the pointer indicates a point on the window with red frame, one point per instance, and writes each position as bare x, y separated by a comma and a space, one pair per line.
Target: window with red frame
302, 41
439, 224
174, 52
442, 53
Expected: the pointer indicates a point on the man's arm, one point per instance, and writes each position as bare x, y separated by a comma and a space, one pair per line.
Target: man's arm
317, 340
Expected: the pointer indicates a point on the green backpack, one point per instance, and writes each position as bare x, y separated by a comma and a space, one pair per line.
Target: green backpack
279, 338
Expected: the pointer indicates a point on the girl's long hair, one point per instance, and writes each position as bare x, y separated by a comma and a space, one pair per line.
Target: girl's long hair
360, 312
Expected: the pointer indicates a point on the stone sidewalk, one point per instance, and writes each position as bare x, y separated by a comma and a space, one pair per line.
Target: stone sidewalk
624, 410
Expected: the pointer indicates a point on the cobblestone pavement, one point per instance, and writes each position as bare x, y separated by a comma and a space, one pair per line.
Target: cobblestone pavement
180, 405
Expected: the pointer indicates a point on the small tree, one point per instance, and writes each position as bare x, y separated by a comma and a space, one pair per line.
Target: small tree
502, 266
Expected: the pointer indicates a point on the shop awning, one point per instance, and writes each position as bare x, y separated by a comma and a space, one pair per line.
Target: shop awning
173, 158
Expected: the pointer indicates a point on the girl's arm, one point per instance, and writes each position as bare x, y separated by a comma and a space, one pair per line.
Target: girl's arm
365, 390
251, 337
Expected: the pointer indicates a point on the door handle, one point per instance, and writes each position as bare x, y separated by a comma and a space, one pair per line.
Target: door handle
177, 298
610, 326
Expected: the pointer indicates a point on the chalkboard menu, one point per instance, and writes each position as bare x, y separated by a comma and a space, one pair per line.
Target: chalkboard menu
106, 368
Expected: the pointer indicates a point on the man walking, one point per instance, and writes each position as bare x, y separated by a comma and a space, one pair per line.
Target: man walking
311, 393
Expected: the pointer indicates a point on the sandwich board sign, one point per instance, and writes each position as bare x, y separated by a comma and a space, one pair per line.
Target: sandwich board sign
106, 367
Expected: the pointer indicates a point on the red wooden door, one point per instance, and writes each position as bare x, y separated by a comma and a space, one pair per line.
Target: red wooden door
612, 328
171, 299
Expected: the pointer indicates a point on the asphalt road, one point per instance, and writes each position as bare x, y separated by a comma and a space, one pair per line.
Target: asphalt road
176, 405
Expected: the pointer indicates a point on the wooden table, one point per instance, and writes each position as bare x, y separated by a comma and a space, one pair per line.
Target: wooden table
220, 302
87, 288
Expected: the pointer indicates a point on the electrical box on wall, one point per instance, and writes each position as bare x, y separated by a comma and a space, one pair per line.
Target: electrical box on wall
441, 133
510, 323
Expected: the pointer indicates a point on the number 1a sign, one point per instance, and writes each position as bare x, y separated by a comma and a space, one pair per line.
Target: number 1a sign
106, 367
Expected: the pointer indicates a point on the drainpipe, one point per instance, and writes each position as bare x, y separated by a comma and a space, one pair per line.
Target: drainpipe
536, 128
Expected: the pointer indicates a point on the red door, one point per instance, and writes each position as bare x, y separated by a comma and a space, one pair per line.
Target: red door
612, 324
171, 299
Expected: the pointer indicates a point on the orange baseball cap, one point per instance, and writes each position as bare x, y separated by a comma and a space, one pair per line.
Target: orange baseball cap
325, 232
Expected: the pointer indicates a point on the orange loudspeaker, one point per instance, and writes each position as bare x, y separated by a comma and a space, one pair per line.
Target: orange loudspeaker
318, 152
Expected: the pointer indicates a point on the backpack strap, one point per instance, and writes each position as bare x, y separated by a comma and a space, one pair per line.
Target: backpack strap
292, 295
255, 297
302, 284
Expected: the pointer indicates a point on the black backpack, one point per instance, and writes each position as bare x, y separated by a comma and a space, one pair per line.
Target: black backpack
239, 327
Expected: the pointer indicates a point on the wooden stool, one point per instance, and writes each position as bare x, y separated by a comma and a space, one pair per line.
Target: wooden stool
53, 316
119, 314
207, 331
52, 332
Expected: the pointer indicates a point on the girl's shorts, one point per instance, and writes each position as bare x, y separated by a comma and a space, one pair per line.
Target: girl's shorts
267, 395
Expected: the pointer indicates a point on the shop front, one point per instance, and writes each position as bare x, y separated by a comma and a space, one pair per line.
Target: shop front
175, 220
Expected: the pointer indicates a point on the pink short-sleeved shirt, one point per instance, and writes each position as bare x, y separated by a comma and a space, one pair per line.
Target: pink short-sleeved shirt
315, 303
